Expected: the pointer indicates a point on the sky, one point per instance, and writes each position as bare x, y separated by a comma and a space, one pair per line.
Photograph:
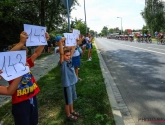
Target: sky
100, 13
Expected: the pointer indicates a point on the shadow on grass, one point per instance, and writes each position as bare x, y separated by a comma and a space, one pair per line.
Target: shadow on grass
92, 99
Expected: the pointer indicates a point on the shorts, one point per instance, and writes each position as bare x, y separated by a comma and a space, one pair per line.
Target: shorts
70, 94
25, 113
89, 46
84, 45
76, 61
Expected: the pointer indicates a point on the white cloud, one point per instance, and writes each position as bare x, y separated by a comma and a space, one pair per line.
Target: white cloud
102, 13
140, 1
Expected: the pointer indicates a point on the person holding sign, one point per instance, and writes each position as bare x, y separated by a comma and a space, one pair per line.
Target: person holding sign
24, 101
69, 79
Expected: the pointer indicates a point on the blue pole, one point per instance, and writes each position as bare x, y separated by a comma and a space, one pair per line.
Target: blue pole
68, 15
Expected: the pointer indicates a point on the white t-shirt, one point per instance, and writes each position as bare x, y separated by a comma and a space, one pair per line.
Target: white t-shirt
87, 39
55, 50
76, 53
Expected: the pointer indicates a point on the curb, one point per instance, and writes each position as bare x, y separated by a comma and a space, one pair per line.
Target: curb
108, 82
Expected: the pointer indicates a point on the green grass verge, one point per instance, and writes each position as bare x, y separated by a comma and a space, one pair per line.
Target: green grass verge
92, 99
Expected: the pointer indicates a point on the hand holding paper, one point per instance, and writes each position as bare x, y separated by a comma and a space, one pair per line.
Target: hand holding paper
23, 37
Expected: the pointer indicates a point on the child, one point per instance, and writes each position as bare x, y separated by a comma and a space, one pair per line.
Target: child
69, 79
24, 102
56, 50
76, 61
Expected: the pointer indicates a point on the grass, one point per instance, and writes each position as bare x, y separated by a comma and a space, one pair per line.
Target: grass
92, 99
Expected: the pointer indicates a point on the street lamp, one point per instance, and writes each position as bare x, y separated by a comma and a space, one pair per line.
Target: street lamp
85, 16
121, 24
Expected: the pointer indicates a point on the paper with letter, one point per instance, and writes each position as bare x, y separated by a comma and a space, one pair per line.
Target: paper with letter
12, 64
36, 35
76, 33
70, 39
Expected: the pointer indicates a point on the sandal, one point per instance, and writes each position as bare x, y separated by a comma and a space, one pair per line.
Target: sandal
77, 114
72, 117
79, 79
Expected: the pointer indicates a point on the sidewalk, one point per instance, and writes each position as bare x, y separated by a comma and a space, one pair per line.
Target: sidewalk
42, 66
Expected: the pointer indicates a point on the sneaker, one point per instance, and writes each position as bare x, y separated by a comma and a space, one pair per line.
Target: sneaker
89, 59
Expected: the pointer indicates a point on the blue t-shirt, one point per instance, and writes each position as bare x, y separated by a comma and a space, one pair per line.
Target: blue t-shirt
68, 74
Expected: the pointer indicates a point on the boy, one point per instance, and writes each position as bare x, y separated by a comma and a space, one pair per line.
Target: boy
24, 102
69, 79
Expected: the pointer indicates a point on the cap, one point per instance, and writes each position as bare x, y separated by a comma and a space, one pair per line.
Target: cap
57, 39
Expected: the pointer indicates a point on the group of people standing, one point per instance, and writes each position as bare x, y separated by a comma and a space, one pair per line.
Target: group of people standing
24, 89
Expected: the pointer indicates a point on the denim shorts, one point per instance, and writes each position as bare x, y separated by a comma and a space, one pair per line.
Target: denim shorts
76, 61
25, 113
70, 94
89, 46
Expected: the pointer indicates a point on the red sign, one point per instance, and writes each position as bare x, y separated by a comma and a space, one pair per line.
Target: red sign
129, 31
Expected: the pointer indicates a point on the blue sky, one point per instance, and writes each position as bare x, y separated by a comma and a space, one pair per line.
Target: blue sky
102, 13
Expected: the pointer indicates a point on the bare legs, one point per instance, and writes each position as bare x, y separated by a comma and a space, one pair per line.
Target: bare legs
69, 109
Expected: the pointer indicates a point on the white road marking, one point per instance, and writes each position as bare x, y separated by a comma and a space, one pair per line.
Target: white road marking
156, 48
143, 49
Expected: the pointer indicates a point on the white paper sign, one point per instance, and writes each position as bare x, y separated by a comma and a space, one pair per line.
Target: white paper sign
70, 39
12, 64
36, 35
76, 33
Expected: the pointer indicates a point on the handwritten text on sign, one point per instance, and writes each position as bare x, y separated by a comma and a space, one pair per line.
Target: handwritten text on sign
76, 33
12, 64
70, 39
36, 35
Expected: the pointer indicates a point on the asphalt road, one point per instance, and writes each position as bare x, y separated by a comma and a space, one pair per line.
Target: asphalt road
138, 69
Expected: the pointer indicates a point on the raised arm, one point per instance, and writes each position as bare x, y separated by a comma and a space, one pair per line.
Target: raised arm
9, 90
39, 49
79, 41
72, 50
23, 37
61, 49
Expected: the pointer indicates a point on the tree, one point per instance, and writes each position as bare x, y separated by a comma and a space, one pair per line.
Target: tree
153, 15
145, 29
116, 30
92, 32
104, 31
111, 30
15, 13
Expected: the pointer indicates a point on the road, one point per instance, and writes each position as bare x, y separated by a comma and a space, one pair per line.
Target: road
138, 70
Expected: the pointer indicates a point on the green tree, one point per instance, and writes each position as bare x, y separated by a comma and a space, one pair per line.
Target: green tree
104, 31
92, 32
82, 27
15, 13
153, 15
145, 29
111, 30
